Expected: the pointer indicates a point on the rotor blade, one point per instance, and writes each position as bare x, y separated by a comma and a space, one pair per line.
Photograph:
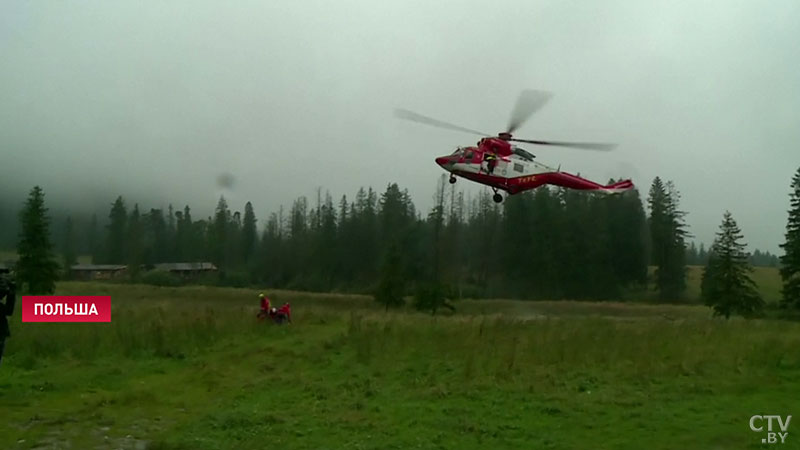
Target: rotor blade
581, 145
529, 102
414, 117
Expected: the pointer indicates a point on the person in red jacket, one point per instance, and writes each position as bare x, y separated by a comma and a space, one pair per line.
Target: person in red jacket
264, 306
286, 312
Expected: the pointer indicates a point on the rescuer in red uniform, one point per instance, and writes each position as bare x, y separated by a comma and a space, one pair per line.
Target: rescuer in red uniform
264, 306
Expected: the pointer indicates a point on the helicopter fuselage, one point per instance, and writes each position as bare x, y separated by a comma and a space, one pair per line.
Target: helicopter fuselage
496, 162
508, 173
502, 166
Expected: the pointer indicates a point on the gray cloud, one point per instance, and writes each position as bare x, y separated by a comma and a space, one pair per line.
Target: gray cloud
154, 100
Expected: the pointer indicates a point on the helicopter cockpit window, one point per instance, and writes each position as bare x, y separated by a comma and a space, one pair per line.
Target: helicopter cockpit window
524, 154
468, 155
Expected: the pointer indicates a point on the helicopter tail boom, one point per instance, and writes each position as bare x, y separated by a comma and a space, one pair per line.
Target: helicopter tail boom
570, 181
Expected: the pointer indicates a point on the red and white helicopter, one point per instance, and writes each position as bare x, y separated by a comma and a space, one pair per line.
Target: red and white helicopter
501, 165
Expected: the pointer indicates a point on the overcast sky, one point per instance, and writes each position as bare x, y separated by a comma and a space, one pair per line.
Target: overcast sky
154, 100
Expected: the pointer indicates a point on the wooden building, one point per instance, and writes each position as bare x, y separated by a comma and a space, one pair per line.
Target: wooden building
98, 271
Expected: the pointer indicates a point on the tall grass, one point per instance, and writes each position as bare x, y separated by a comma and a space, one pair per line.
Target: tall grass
136, 331
158, 321
515, 340
192, 367
487, 347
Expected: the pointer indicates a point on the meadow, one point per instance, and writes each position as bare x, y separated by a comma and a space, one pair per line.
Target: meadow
767, 279
191, 368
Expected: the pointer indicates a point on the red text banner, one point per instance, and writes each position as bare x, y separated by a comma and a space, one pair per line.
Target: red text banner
66, 308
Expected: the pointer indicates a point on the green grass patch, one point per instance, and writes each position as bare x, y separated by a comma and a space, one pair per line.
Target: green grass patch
190, 368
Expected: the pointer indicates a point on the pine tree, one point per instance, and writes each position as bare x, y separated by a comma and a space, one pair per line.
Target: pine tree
394, 225
218, 238
453, 263
272, 262
790, 260
547, 241
763, 259
37, 267
726, 285
345, 252
325, 246
392, 283
430, 293
668, 233
184, 231
587, 272
774, 261
343, 209
370, 246
117, 228
656, 202
675, 270
486, 251
172, 242
248, 232
393, 214
8, 225
233, 250
298, 241
91, 240
437, 218
518, 241
756, 258
158, 236
298, 218
68, 246
630, 244
692, 257
134, 252
361, 235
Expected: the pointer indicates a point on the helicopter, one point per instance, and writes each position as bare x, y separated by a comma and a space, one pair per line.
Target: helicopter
497, 162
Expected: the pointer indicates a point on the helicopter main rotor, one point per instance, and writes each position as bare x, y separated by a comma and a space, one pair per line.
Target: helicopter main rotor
528, 102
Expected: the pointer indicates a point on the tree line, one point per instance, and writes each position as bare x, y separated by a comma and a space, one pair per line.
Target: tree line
549, 243
698, 256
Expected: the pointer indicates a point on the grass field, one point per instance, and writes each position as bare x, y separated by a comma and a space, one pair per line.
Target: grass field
189, 368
